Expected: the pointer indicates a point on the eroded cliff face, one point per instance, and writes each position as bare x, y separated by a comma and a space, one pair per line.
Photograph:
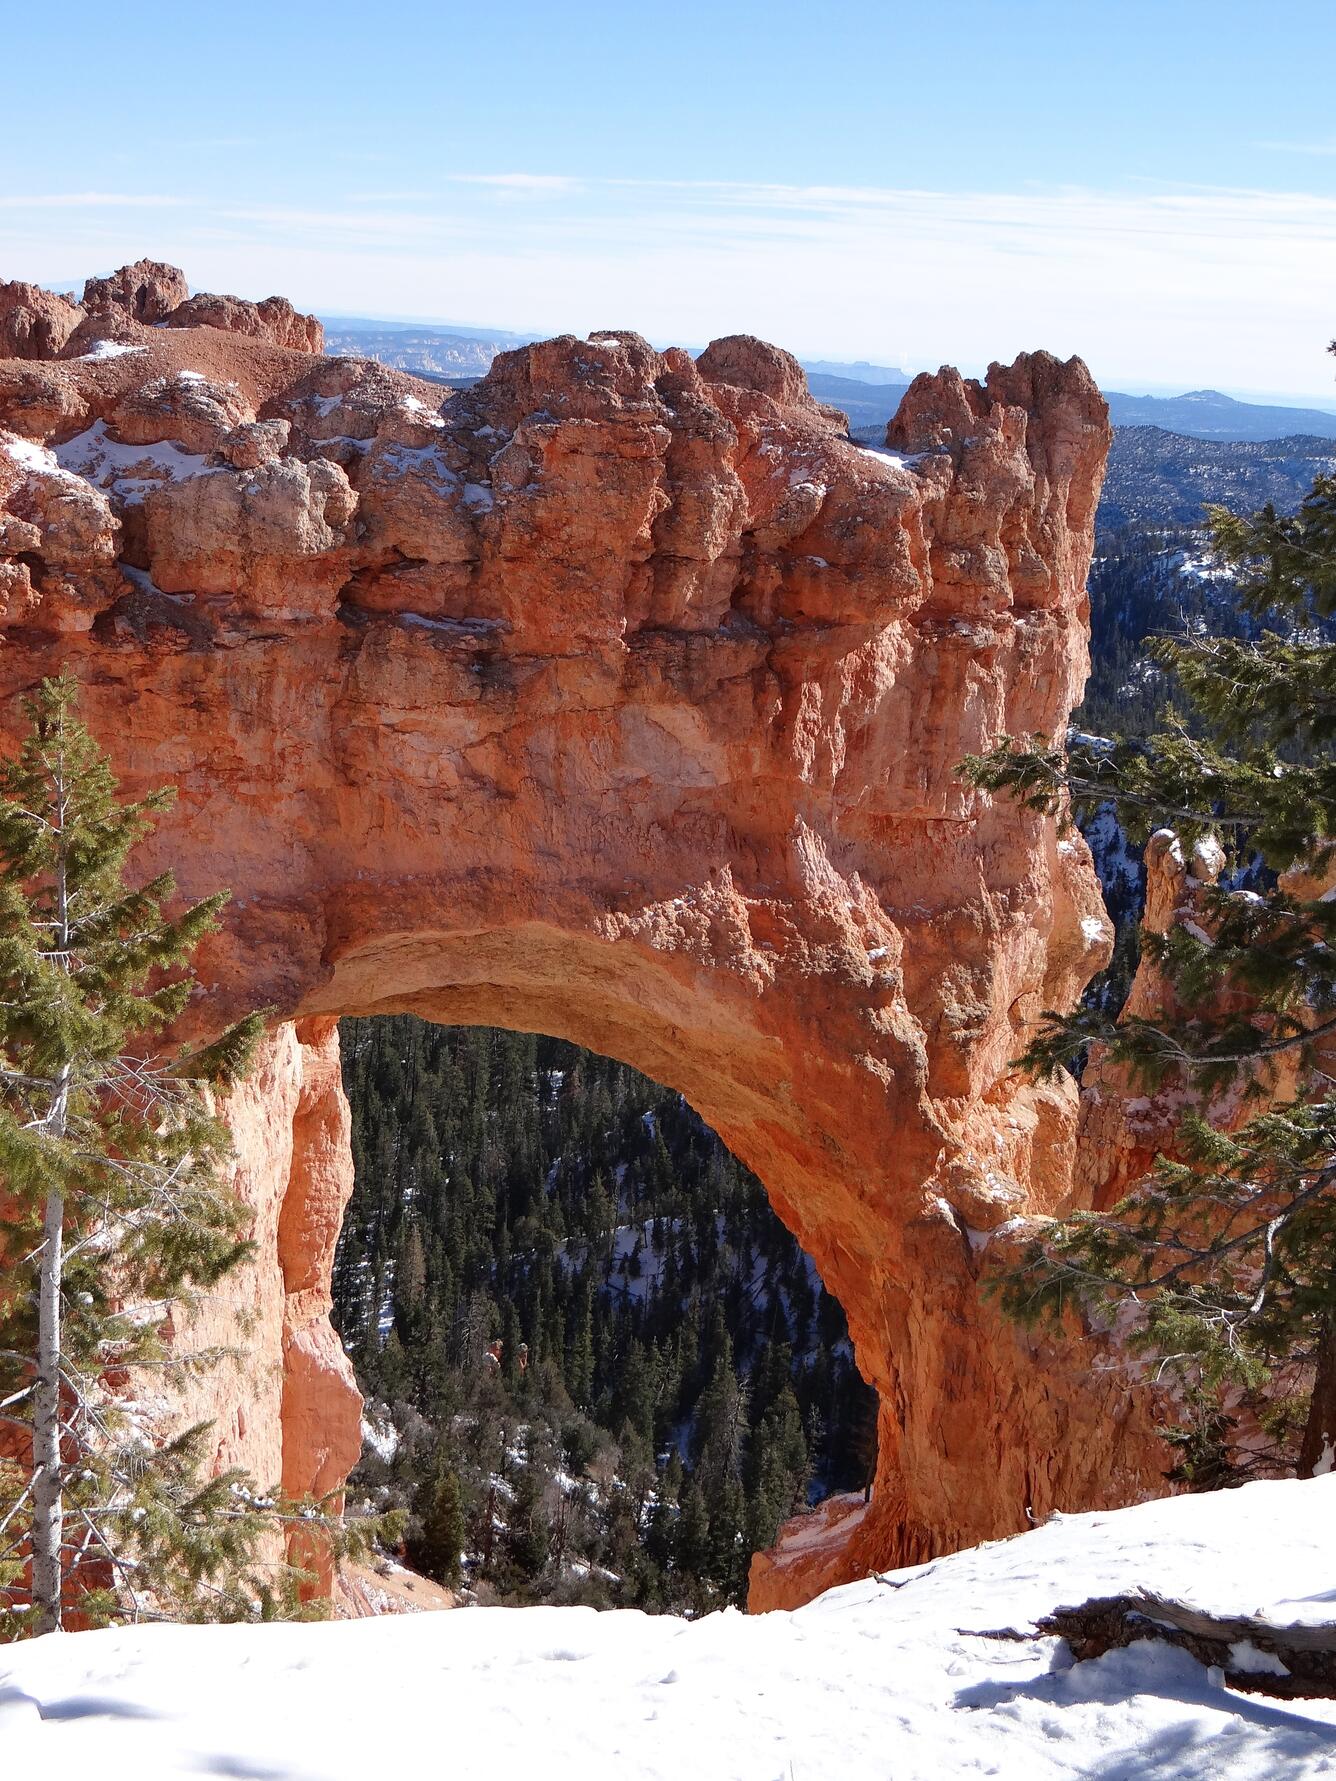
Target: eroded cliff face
619, 698
286, 1407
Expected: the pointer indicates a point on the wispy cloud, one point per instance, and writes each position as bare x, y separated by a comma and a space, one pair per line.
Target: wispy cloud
519, 182
391, 197
89, 201
1191, 282
1325, 147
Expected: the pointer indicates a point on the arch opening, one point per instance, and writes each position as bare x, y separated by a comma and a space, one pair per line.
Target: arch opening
596, 1363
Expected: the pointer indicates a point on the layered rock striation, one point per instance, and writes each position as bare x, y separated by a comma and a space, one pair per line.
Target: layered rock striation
619, 697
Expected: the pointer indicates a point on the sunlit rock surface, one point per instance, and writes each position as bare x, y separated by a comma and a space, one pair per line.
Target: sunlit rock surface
619, 697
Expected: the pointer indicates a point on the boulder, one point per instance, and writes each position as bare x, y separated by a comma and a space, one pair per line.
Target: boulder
273, 319
35, 324
148, 291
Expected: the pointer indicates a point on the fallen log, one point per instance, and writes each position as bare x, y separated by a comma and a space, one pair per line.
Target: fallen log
1255, 1656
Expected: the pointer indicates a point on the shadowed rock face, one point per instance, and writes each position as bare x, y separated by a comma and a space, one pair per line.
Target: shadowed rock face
618, 698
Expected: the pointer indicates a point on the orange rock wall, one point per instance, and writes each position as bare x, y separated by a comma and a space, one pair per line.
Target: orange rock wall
286, 1407
619, 698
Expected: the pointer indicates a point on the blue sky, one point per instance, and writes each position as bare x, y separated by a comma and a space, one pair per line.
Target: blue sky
1153, 186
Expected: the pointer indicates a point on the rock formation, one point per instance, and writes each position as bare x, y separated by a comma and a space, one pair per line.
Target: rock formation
273, 319
35, 324
38, 324
620, 698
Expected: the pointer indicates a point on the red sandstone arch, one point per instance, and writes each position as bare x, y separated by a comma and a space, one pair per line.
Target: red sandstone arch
619, 699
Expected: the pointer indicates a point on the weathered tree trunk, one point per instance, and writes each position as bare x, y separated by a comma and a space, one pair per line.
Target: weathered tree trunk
1319, 1443
48, 1485
48, 1496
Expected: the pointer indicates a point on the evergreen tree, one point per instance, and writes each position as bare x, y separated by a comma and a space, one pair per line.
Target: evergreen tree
436, 1549
117, 1211
721, 1420
693, 1532
1224, 1257
528, 1533
777, 1468
580, 1347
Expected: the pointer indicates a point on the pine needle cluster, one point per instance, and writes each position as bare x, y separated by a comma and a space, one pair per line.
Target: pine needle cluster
1221, 1264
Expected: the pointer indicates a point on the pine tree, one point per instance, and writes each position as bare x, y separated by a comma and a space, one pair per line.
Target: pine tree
1225, 1256
777, 1467
436, 1550
528, 1531
117, 1211
580, 1347
692, 1542
410, 1287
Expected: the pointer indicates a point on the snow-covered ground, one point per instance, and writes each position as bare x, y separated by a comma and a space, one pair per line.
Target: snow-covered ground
886, 1678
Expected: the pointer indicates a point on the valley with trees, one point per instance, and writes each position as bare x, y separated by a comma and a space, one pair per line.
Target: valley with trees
591, 1350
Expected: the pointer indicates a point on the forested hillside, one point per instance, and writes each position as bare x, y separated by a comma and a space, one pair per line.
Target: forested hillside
1160, 478
1146, 580
597, 1365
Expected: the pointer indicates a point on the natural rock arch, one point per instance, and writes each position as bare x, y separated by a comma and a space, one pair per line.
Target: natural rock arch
618, 698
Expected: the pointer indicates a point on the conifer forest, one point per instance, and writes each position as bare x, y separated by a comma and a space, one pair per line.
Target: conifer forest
597, 1367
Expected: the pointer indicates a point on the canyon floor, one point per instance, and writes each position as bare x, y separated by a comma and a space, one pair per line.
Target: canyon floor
887, 1677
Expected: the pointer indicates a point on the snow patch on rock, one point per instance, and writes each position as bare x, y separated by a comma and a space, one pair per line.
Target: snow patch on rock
109, 349
128, 471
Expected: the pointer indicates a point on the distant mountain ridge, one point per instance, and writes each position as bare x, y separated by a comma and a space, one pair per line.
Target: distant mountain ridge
868, 394
1209, 414
868, 405
431, 352
353, 324
859, 371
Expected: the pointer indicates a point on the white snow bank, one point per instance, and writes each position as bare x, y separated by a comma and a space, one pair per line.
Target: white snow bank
29, 455
898, 460
129, 471
109, 349
886, 1678
380, 1434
